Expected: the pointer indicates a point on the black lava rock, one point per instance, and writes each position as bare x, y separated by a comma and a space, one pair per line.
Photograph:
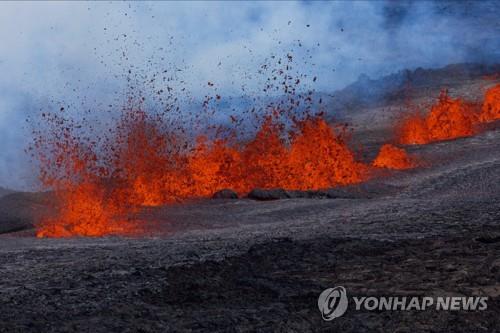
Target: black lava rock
309, 194
272, 194
225, 194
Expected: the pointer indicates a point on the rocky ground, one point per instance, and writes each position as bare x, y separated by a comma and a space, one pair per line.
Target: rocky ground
245, 265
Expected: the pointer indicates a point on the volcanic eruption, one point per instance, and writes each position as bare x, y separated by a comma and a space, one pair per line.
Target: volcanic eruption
101, 182
393, 157
449, 118
100, 187
491, 105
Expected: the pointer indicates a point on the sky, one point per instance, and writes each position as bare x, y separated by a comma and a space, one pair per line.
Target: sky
79, 53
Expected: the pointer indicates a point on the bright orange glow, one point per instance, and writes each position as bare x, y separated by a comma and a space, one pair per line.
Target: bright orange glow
491, 105
392, 157
448, 119
145, 165
319, 158
86, 212
100, 186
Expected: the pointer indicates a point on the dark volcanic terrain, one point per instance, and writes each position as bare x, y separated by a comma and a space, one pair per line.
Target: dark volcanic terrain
245, 265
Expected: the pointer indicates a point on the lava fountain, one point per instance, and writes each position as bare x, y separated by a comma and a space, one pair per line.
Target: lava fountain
392, 157
491, 105
448, 119
99, 187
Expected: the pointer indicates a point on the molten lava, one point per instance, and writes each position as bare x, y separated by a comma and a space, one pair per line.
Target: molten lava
448, 119
100, 185
99, 189
392, 157
491, 105
86, 211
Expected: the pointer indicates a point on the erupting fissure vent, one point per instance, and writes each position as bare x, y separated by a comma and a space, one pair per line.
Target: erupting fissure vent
491, 105
392, 157
448, 119
100, 185
99, 188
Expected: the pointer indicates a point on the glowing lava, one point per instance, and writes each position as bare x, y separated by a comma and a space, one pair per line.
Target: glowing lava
100, 188
448, 119
101, 185
392, 157
491, 105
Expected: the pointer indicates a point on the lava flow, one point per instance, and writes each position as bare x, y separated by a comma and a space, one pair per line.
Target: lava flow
100, 187
448, 119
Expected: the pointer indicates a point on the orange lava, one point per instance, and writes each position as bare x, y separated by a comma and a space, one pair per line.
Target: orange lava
392, 157
99, 189
448, 119
491, 105
86, 211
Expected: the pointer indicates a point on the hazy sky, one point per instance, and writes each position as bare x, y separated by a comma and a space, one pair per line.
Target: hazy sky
55, 53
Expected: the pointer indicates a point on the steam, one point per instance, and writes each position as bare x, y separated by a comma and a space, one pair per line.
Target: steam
77, 55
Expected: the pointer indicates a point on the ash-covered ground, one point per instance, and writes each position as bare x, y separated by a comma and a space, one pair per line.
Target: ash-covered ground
245, 265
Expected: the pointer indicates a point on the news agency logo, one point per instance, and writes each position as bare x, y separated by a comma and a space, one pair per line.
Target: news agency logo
333, 302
